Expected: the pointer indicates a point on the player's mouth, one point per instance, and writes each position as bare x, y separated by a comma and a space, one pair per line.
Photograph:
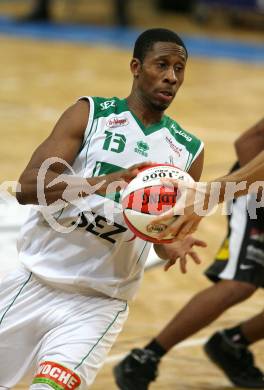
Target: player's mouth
165, 95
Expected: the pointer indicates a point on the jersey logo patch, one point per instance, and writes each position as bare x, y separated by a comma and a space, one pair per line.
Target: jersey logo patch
142, 148
108, 103
182, 133
117, 122
56, 376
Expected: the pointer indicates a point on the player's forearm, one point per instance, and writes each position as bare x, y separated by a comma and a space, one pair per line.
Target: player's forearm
250, 143
249, 174
36, 189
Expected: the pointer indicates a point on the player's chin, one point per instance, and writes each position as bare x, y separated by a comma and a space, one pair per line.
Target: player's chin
161, 106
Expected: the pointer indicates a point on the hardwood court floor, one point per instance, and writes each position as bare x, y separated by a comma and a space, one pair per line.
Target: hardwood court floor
218, 101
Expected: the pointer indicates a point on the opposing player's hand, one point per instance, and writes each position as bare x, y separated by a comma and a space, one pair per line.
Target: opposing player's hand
190, 209
180, 250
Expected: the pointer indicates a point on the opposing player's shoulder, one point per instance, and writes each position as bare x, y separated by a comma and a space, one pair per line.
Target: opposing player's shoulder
183, 136
106, 106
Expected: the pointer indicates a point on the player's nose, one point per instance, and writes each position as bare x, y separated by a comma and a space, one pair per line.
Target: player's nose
171, 76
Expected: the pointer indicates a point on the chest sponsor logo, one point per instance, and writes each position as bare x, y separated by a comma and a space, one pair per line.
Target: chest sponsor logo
182, 133
108, 103
117, 122
174, 147
57, 376
142, 148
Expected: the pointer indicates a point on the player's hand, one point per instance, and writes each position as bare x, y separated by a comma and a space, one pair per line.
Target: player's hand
190, 207
122, 177
179, 250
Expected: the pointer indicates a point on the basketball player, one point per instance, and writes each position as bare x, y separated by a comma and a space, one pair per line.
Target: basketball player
62, 310
239, 272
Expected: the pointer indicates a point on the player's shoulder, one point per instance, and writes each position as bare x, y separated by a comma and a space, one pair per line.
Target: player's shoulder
182, 135
104, 106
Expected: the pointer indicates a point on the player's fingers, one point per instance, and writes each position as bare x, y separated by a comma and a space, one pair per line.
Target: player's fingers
200, 243
170, 182
195, 257
183, 262
169, 264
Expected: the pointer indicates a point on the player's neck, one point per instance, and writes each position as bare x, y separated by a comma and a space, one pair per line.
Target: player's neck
144, 112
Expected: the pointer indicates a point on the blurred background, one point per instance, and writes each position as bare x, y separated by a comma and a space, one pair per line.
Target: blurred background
54, 51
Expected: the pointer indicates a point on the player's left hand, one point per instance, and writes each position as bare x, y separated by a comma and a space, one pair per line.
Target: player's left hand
180, 250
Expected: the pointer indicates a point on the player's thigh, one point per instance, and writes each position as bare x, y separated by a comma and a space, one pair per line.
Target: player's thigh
73, 352
18, 340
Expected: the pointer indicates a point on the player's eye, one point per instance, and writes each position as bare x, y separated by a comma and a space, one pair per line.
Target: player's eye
178, 68
162, 65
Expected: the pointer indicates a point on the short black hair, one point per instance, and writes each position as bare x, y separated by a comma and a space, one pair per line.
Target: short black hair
148, 38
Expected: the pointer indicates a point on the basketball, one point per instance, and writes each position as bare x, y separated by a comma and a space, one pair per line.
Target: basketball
146, 196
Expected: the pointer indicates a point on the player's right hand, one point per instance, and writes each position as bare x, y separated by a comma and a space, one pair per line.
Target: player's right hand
121, 178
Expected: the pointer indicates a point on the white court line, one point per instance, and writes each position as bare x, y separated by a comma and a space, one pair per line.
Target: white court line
185, 344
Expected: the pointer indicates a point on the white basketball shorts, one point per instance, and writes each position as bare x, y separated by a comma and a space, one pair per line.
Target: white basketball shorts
59, 339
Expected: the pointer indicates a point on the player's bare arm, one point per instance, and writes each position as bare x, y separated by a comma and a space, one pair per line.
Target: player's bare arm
64, 142
249, 147
250, 143
250, 173
251, 158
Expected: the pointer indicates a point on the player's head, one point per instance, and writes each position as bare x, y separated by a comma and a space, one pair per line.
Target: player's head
158, 65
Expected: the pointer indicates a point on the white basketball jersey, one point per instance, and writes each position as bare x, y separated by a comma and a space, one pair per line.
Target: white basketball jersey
102, 254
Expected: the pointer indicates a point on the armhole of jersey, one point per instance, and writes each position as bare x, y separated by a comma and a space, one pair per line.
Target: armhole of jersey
90, 118
196, 155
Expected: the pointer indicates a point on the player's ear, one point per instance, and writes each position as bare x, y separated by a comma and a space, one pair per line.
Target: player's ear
135, 67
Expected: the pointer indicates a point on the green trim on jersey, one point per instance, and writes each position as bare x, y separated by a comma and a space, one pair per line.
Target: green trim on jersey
104, 168
150, 129
106, 106
91, 133
182, 136
103, 107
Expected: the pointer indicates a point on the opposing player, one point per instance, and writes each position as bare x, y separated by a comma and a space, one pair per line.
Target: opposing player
62, 310
239, 272
249, 178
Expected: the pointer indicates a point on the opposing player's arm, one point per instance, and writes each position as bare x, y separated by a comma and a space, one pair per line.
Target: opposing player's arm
250, 143
250, 173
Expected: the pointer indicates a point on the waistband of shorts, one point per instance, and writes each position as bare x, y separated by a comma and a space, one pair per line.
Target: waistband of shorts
65, 287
